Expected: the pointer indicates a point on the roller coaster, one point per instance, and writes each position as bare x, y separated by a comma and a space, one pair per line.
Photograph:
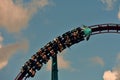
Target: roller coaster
66, 40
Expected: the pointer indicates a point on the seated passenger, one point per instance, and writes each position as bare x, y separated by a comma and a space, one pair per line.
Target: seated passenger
58, 43
38, 65
32, 72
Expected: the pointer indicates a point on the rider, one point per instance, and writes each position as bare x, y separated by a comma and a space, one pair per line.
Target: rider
87, 32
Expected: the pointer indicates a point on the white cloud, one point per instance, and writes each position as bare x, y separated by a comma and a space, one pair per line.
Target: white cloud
98, 60
1, 40
119, 14
112, 75
15, 16
118, 57
109, 3
117, 69
7, 51
115, 73
3, 64
109, 75
62, 63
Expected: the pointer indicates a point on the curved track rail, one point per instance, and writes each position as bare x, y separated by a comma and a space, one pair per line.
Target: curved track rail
58, 45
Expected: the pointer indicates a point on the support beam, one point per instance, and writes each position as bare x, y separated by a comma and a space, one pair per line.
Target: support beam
54, 75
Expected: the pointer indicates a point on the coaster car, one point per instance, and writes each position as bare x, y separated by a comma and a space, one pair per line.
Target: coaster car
87, 32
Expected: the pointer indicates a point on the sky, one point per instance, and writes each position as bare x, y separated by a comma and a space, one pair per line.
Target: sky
27, 25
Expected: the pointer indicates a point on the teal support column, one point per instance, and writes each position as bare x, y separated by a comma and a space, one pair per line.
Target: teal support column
54, 74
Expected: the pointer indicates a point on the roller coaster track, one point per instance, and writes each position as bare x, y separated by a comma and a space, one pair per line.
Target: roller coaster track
58, 45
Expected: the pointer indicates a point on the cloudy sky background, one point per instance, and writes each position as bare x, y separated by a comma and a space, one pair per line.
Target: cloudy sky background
26, 26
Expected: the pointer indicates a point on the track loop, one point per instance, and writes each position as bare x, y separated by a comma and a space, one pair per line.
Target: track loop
60, 43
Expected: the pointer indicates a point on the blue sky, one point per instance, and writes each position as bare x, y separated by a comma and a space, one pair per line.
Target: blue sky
26, 26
